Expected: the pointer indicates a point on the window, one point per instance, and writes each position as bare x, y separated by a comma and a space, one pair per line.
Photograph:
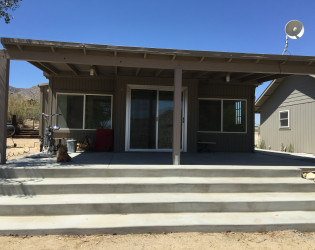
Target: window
234, 116
222, 115
210, 115
84, 111
284, 119
98, 112
70, 109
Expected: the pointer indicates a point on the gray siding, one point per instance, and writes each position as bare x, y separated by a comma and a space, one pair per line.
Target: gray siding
296, 94
195, 89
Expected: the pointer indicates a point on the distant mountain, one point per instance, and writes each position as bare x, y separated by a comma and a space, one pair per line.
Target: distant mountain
29, 93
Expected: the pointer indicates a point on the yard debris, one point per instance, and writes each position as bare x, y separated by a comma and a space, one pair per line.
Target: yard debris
309, 176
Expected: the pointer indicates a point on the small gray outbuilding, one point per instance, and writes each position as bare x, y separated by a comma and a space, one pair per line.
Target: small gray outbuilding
287, 114
153, 99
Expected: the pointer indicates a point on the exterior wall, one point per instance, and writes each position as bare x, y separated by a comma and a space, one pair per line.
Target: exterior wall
237, 142
296, 94
83, 86
118, 88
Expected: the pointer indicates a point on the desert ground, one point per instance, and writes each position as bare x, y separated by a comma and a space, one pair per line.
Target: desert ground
285, 240
23, 147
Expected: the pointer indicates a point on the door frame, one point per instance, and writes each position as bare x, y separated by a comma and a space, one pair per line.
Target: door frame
128, 113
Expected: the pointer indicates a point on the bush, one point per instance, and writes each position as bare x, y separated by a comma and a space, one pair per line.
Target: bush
262, 144
23, 108
290, 148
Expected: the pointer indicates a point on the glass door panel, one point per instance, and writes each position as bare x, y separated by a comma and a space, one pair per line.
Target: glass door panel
143, 119
165, 119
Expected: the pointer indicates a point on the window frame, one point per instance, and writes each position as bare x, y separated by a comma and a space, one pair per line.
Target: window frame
84, 107
221, 129
282, 111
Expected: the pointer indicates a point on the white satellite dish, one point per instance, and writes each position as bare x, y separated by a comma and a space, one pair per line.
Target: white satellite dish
294, 30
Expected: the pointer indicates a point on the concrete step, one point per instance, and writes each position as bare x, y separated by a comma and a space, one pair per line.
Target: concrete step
64, 171
157, 223
154, 203
96, 185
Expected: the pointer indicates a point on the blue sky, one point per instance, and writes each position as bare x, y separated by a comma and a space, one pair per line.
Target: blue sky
221, 25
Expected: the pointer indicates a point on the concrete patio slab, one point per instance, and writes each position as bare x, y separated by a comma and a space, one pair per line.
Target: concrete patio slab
257, 159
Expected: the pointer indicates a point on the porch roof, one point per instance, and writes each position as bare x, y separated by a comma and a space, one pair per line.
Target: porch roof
77, 59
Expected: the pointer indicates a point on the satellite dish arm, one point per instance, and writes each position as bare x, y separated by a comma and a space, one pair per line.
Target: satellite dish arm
286, 44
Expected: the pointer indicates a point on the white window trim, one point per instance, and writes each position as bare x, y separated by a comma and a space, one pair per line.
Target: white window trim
282, 111
128, 113
84, 103
221, 131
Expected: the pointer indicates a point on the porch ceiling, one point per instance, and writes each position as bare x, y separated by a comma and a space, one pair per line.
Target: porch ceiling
76, 59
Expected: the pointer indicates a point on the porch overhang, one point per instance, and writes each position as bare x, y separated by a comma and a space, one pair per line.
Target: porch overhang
76, 59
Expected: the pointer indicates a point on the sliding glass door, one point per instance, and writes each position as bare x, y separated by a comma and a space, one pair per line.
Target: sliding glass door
143, 119
151, 119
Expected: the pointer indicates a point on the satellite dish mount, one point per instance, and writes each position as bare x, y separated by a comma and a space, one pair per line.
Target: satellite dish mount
294, 30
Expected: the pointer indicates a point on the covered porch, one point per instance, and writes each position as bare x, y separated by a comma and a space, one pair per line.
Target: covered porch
211, 77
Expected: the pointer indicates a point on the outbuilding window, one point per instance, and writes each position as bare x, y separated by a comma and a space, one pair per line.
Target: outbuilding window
284, 118
218, 115
84, 111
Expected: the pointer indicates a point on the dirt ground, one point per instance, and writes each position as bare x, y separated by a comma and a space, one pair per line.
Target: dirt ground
23, 147
285, 240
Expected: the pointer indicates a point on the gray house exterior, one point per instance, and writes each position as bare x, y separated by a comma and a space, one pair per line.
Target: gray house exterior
152, 99
287, 109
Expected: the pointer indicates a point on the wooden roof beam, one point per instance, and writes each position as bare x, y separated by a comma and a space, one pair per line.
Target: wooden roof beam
50, 67
200, 74
216, 66
253, 77
38, 65
270, 77
73, 69
242, 75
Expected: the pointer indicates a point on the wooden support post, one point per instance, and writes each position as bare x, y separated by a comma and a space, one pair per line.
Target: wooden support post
4, 93
177, 118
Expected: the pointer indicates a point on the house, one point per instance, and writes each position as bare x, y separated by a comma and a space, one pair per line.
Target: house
287, 111
153, 99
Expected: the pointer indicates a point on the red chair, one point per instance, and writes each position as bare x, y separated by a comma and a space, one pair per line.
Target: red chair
104, 140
